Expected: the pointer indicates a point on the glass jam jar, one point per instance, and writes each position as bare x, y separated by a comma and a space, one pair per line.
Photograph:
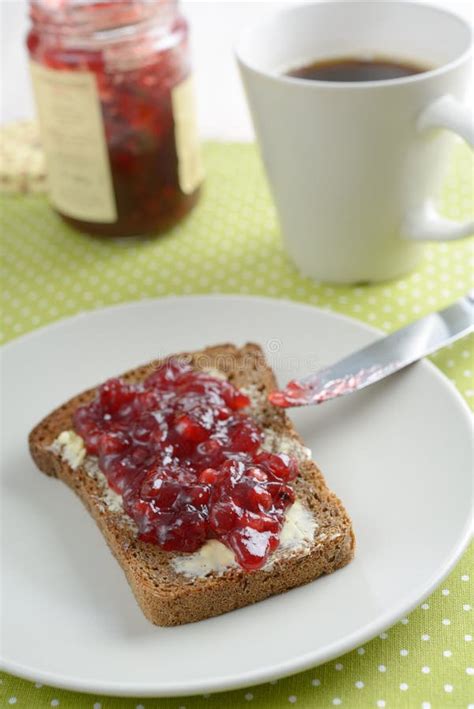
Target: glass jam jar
115, 105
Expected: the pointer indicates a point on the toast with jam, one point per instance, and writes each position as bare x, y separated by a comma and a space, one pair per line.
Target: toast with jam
203, 490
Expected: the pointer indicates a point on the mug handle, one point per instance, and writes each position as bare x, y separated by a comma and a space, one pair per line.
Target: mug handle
424, 223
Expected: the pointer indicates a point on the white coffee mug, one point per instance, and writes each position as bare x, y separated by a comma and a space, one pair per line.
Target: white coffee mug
354, 166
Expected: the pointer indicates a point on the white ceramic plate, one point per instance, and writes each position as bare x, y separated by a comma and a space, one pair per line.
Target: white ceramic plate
398, 454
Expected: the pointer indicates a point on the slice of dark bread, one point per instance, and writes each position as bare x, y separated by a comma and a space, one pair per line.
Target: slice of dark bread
167, 596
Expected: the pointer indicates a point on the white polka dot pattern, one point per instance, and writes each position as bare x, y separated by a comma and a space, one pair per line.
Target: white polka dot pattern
230, 244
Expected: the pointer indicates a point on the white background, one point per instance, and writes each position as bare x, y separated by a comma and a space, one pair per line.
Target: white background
215, 26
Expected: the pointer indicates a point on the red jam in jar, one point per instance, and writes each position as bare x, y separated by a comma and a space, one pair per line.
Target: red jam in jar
187, 460
115, 104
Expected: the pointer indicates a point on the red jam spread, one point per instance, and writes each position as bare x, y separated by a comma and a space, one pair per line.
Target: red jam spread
320, 387
138, 53
186, 459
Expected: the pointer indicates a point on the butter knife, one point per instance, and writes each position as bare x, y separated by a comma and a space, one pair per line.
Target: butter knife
382, 358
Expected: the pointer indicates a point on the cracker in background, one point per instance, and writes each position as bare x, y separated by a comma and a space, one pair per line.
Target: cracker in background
22, 161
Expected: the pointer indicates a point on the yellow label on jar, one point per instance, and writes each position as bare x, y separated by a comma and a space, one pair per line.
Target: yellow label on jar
72, 132
190, 168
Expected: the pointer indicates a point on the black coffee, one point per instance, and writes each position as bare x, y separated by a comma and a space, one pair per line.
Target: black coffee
354, 69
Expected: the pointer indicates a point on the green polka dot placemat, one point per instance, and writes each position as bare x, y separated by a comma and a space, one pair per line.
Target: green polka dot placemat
230, 244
